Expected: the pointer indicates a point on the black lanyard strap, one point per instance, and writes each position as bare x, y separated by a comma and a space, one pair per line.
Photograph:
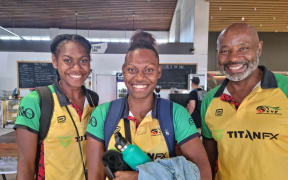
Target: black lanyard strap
78, 140
127, 130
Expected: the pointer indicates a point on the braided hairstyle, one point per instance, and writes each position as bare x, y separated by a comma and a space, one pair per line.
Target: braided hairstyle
142, 40
61, 39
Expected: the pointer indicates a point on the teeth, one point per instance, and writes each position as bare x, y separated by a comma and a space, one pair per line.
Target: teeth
76, 76
236, 67
139, 86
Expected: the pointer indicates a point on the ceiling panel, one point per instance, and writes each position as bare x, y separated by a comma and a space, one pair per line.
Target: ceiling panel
88, 14
265, 15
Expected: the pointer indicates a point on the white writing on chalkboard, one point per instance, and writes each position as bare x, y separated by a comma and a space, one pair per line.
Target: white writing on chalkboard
35, 74
176, 75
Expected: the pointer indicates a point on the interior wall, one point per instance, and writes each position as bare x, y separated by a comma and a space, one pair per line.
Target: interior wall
102, 64
274, 55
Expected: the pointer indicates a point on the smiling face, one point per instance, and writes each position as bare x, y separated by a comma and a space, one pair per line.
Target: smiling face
141, 72
238, 52
72, 63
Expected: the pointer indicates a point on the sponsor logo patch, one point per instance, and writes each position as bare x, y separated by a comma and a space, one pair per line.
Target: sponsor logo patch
218, 112
267, 110
157, 155
93, 121
26, 112
61, 119
156, 132
252, 135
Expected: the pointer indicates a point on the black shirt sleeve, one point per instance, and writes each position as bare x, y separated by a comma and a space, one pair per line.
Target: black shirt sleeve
193, 95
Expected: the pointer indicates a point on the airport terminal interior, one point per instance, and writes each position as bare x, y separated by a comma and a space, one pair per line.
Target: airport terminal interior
186, 32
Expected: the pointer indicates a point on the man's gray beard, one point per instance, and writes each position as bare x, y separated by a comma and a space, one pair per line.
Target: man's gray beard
239, 77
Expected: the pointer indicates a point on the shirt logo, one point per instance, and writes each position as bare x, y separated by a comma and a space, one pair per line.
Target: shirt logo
157, 155
156, 132
61, 119
26, 112
65, 140
93, 121
252, 135
219, 112
267, 110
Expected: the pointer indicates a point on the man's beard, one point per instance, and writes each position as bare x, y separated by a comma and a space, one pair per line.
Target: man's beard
251, 66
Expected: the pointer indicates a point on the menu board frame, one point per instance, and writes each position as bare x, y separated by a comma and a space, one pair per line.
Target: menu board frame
34, 71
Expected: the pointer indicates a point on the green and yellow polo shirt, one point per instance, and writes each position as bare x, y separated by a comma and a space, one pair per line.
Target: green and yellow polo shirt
62, 159
148, 135
252, 140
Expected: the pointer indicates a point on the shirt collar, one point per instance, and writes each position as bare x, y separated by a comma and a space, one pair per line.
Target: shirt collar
126, 111
268, 81
63, 99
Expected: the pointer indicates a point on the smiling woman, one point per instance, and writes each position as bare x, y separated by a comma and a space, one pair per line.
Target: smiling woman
71, 104
140, 113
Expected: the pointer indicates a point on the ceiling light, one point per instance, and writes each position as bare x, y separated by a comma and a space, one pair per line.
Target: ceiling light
243, 18
260, 25
18, 37
220, 8
255, 8
274, 18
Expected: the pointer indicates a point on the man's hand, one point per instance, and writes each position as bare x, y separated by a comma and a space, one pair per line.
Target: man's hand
125, 175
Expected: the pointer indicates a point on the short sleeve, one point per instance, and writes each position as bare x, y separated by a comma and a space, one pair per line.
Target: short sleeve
184, 126
95, 128
193, 95
29, 113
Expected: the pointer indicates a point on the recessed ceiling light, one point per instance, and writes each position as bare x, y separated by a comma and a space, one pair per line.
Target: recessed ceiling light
274, 18
255, 8
243, 18
220, 8
260, 25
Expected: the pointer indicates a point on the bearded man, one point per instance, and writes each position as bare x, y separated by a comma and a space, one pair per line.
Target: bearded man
245, 119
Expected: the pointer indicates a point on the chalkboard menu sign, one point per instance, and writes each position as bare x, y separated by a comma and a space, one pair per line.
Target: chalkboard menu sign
176, 75
35, 74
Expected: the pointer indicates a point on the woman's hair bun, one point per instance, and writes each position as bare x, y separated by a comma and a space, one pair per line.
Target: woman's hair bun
141, 38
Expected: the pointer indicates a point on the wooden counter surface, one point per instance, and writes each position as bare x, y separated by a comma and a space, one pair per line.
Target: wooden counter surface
8, 145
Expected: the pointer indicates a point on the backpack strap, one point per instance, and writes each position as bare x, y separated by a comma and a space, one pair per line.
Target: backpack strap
46, 103
165, 118
112, 118
94, 98
46, 106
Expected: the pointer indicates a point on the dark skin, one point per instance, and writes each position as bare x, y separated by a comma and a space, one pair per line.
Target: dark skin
238, 43
141, 72
73, 65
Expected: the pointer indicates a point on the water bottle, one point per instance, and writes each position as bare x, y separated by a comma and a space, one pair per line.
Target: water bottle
131, 153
